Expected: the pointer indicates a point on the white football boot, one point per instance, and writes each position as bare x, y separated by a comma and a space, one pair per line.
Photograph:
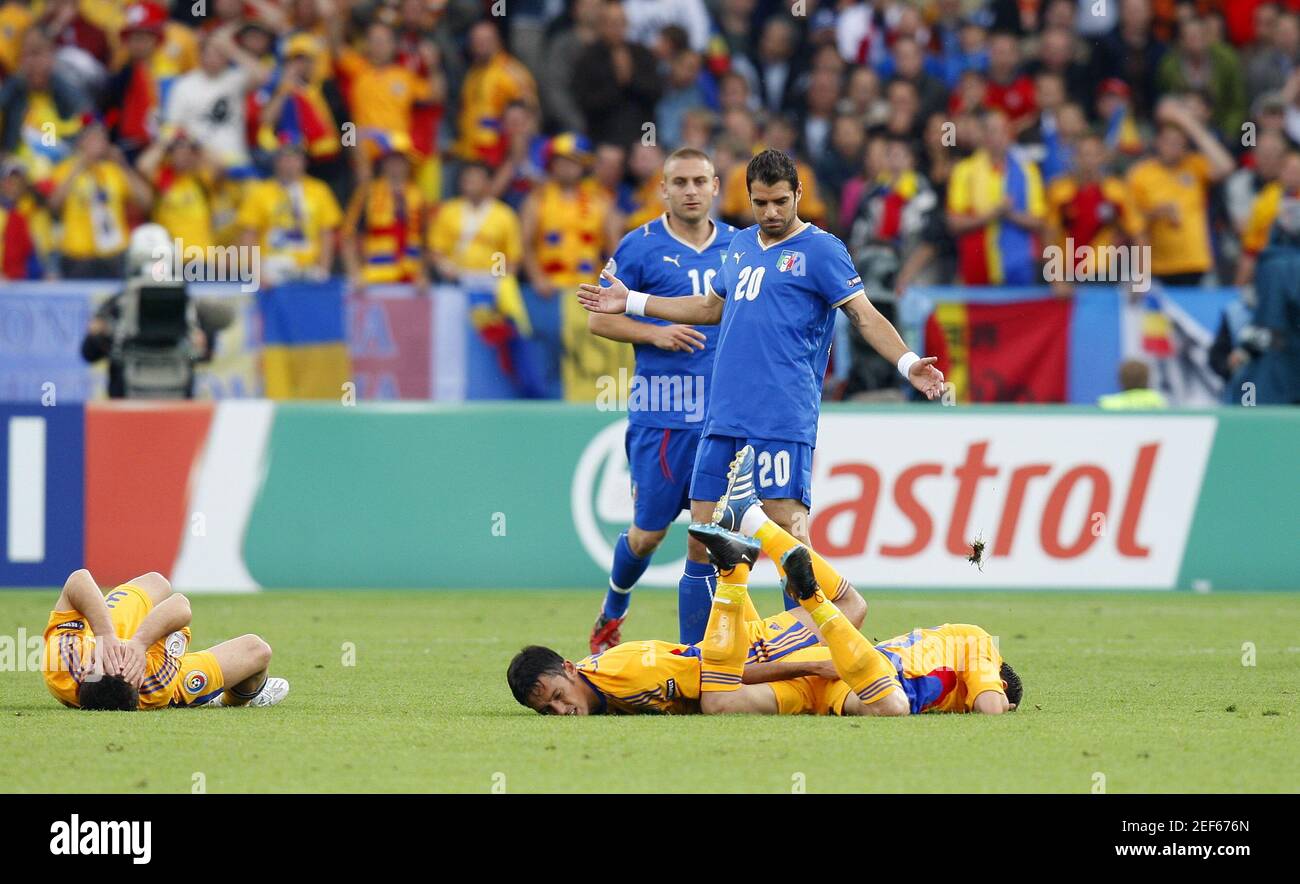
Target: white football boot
275, 690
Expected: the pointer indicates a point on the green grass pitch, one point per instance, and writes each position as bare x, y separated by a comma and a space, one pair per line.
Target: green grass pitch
1148, 690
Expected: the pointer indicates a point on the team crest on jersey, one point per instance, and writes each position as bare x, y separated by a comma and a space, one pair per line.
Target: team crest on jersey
791, 262
195, 681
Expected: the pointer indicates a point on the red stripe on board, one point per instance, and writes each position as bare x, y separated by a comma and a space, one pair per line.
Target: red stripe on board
138, 463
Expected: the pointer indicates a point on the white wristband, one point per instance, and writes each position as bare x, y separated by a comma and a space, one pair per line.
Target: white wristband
636, 303
906, 361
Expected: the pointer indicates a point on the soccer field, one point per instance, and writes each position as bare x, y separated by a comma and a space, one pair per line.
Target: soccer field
1150, 691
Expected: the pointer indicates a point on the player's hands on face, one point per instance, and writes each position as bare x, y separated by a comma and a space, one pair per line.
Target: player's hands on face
678, 338
133, 662
604, 299
926, 378
109, 654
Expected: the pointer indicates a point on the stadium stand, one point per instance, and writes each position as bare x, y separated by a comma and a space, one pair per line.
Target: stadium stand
949, 142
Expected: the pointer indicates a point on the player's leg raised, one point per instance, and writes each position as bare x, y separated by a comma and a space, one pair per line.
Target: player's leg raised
726, 640
867, 671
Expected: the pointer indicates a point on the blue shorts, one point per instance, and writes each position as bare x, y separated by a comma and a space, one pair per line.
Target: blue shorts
661, 461
781, 469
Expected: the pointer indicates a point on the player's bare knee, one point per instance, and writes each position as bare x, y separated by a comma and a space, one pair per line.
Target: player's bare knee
259, 652
853, 606
644, 543
696, 551
895, 704
157, 586
182, 602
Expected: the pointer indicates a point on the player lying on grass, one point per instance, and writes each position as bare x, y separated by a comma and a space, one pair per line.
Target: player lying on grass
128, 650
781, 665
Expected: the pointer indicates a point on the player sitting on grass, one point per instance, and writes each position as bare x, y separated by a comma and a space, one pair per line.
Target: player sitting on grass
774, 666
127, 651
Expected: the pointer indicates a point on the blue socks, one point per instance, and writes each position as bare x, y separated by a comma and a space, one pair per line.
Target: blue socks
694, 600
627, 570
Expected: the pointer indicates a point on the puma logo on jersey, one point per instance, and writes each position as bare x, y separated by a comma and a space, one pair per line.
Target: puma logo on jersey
737, 256
675, 261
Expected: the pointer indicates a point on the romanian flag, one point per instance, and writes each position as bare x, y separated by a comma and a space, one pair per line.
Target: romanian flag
1157, 328
1000, 253
304, 345
1122, 133
1009, 352
306, 119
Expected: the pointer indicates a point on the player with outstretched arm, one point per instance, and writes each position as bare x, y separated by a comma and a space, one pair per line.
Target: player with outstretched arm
678, 251
780, 282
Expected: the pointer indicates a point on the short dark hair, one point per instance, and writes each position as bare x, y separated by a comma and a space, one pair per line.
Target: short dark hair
687, 153
1134, 374
770, 167
527, 669
108, 693
1015, 689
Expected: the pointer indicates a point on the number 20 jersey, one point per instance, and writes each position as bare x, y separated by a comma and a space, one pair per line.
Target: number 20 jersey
775, 337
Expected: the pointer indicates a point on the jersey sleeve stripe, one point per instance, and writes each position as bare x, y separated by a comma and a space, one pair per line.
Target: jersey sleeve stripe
843, 301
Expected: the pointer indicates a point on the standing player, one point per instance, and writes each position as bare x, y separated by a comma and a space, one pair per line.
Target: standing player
678, 251
781, 280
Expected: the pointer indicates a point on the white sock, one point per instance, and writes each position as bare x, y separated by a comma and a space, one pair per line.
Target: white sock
752, 520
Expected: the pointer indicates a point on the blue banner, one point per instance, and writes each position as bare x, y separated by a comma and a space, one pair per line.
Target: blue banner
42, 505
40, 345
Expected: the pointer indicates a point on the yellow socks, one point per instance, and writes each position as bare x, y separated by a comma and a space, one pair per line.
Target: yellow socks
726, 641
777, 542
868, 672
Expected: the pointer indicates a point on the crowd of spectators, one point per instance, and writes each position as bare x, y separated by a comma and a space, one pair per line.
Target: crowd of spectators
946, 141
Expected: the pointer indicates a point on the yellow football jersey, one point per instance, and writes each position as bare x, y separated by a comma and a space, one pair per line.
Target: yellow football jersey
94, 213
292, 221
70, 648
943, 669
645, 677
654, 677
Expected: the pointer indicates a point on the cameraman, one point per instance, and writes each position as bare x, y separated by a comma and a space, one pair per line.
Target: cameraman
150, 249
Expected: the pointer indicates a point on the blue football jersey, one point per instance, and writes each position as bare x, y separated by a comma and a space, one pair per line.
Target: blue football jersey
669, 389
775, 336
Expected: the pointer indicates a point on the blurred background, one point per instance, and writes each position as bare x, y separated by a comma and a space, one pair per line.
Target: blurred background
1069, 202
433, 178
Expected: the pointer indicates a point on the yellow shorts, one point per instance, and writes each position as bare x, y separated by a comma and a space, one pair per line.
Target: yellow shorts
810, 695
70, 643
200, 682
